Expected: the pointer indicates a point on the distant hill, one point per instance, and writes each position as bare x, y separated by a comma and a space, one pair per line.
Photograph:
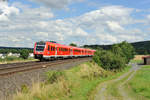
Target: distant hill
1, 47
14, 49
142, 47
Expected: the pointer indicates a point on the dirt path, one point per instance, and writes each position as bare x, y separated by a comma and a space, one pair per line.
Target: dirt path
117, 86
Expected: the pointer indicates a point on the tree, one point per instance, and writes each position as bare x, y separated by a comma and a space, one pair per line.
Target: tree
24, 54
125, 50
73, 44
108, 60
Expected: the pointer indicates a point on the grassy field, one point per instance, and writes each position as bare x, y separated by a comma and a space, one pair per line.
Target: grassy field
139, 85
133, 85
77, 83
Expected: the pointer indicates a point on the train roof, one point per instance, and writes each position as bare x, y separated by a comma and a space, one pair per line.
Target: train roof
55, 43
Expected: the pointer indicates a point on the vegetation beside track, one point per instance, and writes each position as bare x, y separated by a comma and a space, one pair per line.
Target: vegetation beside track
137, 61
12, 59
139, 86
73, 84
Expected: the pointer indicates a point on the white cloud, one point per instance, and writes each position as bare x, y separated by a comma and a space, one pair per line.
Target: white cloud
114, 26
103, 26
107, 38
54, 3
42, 34
148, 16
80, 32
7, 11
58, 4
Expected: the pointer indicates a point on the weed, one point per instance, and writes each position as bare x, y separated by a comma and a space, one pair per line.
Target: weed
54, 75
24, 89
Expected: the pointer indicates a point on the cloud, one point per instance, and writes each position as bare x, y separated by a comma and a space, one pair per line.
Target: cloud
148, 16
54, 3
109, 24
7, 11
57, 4
114, 26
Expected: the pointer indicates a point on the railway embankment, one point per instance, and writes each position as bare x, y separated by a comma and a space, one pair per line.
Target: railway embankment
13, 82
76, 83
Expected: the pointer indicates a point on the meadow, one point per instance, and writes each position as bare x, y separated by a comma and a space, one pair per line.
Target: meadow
139, 85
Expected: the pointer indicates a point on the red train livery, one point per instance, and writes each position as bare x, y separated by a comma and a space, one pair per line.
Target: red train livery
48, 50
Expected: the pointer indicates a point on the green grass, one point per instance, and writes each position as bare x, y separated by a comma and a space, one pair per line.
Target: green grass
136, 61
77, 83
139, 85
112, 88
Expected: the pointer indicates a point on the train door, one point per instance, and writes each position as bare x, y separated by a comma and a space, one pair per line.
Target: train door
56, 51
52, 50
71, 52
48, 49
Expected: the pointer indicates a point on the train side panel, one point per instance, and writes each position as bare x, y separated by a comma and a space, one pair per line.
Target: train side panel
48, 50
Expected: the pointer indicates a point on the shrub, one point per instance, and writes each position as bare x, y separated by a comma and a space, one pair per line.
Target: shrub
24, 89
54, 75
91, 71
24, 54
10, 58
125, 50
109, 60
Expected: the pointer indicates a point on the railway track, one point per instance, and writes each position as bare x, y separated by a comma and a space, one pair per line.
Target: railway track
9, 69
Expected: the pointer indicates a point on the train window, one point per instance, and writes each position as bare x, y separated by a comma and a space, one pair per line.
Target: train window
66, 49
52, 48
48, 48
40, 48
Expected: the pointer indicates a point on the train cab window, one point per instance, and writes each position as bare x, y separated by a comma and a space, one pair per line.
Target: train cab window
40, 48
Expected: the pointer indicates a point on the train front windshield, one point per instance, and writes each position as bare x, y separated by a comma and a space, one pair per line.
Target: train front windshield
40, 48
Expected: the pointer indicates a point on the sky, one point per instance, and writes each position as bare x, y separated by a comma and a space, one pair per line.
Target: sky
84, 22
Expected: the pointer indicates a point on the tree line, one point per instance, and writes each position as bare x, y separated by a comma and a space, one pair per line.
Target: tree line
24, 53
141, 48
6, 51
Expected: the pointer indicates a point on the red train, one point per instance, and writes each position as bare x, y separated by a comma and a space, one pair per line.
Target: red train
50, 50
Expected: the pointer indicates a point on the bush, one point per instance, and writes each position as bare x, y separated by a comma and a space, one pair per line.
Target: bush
54, 75
108, 60
125, 50
24, 54
10, 58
